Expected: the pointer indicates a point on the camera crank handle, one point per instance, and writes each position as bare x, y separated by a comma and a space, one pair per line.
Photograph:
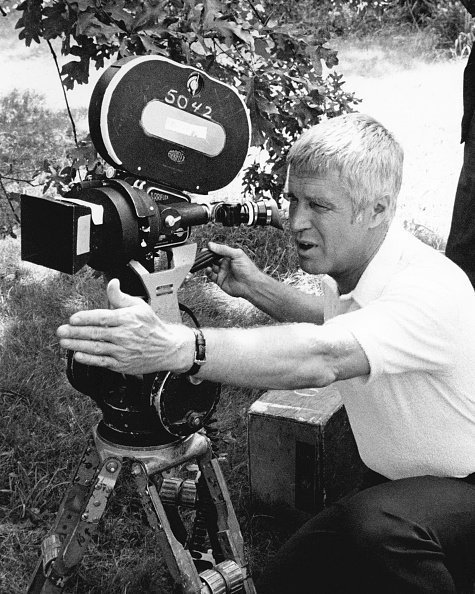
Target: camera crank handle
204, 259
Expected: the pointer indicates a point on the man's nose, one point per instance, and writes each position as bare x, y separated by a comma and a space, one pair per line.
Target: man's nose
298, 218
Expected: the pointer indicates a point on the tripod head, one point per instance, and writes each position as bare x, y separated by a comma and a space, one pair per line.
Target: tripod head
153, 409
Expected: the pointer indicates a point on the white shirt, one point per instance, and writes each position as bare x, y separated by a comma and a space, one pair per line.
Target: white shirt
413, 313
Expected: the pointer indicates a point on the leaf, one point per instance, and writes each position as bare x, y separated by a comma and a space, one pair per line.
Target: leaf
149, 16
261, 47
328, 55
149, 45
83, 5
55, 21
262, 127
316, 61
230, 30
30, 22
75, 71
158, 30
85, 24
84, 153
265, 106
116, 11
212, 11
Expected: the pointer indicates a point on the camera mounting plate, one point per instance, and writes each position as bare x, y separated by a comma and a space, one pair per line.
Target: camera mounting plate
169, 123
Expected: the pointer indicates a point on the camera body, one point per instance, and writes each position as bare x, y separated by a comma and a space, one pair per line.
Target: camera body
165, 130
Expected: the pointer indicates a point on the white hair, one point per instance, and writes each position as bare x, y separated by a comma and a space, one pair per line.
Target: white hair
362, 152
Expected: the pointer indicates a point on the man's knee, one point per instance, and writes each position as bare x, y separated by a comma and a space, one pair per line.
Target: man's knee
375, 525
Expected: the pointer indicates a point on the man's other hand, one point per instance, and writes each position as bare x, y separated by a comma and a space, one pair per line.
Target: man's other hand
129, 338
235, 273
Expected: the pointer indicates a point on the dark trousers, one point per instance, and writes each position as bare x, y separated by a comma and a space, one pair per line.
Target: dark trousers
406, 536
461, 241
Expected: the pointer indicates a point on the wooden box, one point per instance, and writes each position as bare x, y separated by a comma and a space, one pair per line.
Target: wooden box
302, 454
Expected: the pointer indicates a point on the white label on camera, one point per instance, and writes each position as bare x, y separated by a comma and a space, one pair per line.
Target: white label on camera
97, 210
83, 240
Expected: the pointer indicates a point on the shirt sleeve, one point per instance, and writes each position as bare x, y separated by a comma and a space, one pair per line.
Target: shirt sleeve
409, 327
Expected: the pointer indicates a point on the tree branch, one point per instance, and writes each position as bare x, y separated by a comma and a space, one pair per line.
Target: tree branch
4, 190
70, 115
18, 180
256, 13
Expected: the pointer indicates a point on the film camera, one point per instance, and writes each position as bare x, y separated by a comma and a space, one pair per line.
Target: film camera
166, 131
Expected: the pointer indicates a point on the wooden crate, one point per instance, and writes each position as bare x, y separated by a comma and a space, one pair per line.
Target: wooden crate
302, 454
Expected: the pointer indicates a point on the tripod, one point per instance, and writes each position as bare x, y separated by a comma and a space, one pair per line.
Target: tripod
145, 423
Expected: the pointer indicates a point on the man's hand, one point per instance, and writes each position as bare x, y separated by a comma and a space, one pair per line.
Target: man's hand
129, 338
235, 273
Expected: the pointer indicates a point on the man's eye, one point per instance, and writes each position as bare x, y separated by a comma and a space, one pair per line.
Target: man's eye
317, 206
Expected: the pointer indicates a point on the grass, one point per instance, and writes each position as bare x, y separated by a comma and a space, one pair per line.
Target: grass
45, 422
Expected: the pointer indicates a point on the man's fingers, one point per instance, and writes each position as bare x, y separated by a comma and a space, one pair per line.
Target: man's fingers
223, 250
91, 347
97, 317
96, 361
117, 298
107, 317
85, 332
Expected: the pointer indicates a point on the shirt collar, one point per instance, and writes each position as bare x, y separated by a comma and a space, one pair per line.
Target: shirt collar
380, 269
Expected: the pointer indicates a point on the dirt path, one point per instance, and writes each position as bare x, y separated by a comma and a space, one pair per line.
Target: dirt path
420, 102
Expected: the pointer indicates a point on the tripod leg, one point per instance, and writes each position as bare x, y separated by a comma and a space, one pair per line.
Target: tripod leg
66, 517
179, 561
80, 511
223, 527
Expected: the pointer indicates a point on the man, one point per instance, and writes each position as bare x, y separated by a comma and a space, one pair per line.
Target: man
461, 241
395, 328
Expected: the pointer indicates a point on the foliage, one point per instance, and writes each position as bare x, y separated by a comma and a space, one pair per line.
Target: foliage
445, 18
273, 60
34, 146
448, 20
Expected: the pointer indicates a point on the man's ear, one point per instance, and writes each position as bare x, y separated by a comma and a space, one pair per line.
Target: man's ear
381, 210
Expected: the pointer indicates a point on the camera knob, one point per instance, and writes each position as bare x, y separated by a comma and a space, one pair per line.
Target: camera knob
194, 420
172, 221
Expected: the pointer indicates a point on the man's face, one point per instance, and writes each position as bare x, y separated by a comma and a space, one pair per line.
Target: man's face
328, 239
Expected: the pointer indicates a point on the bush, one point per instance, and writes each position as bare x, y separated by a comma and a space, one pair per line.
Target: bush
34, 144
445, 18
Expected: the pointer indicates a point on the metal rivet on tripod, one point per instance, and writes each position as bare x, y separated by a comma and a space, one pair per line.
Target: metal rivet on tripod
112, 466
193, 419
